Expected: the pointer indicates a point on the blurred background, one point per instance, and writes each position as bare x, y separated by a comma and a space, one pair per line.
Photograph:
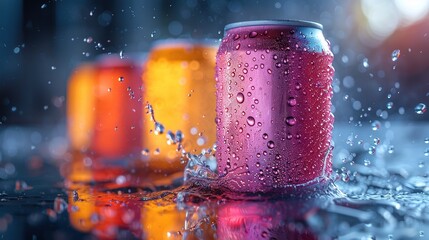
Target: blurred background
42, 41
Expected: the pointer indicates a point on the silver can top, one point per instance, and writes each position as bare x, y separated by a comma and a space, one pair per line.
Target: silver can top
295, 23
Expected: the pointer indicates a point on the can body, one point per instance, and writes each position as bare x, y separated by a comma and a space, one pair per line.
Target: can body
274, 94
105, 108
118, 108
179, 82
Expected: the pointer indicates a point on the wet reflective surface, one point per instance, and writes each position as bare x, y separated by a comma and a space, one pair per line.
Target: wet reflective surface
48, 195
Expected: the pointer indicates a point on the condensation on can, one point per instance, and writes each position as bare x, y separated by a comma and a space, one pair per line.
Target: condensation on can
273, 106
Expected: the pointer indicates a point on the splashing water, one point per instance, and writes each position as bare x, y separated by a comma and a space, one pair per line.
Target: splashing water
202, 165
159, 128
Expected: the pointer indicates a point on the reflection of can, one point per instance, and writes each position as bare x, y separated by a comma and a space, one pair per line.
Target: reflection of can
100, 208
264, 220
161, 221
179, 84
273, 105
81, 219
105, 107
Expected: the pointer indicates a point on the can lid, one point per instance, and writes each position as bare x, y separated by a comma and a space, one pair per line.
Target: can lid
295, 23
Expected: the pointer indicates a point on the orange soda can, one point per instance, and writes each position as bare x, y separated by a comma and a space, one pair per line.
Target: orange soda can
179, 82
118, 113
105, 107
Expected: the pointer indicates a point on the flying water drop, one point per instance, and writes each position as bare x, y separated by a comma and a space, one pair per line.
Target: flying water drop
159, 128
395, 55
376, 125
420, 108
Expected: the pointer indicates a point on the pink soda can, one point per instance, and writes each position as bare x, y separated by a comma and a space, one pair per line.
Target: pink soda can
274, 120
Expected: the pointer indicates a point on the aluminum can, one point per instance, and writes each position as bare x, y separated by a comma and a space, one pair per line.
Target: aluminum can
118, 112
105, 107
179, 83
273, 106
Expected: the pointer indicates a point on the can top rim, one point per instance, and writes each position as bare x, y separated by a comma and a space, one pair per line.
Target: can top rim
183, 41
295, 23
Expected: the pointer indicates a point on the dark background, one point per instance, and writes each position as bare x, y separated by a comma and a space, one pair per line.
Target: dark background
42, 41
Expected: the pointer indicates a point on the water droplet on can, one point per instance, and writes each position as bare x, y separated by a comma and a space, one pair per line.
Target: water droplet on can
264, 136
253, 34
250, 121
291, 101
270, 144
291, 121
240, 97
